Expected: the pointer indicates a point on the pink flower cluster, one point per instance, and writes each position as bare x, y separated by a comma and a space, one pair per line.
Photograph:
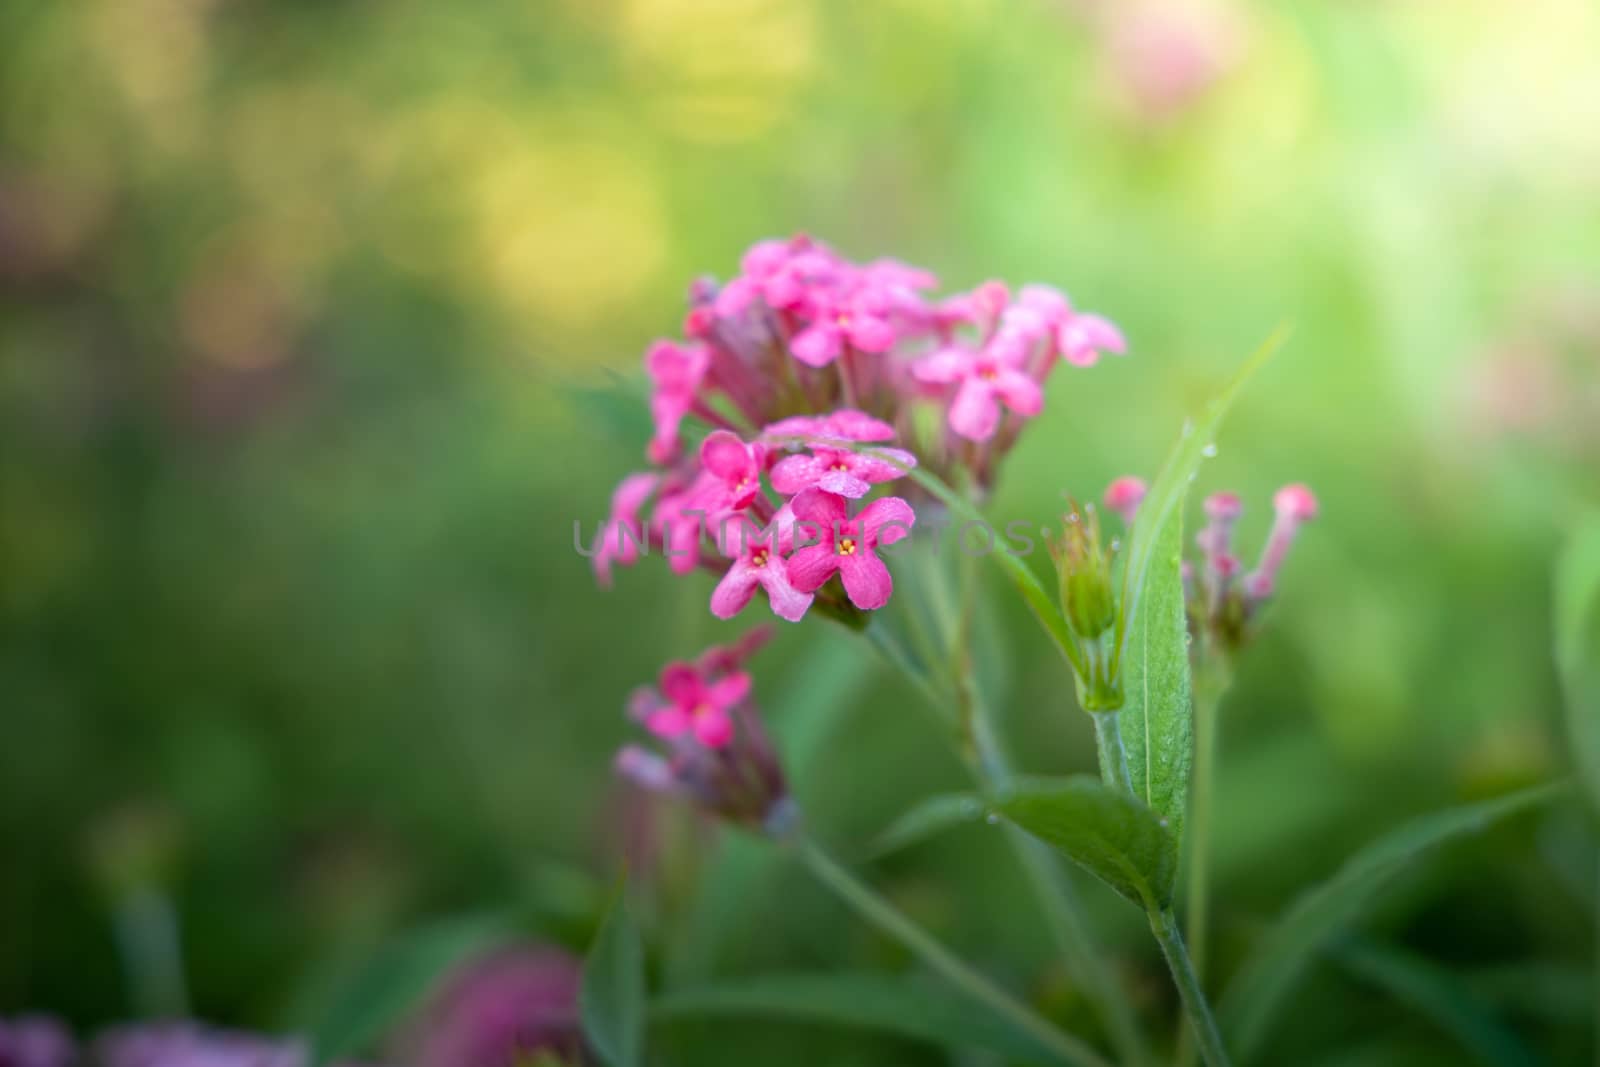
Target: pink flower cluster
1222, 598
716, 752
801, 368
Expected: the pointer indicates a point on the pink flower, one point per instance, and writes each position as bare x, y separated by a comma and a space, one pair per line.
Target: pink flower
735, 469
849, 474
1215, 540
1081, 339
1124, 495
677, 371
681, 522
860, 319
845, 424
696, 705
848, 546
505, 1006
621, 535
985, 378
761, 563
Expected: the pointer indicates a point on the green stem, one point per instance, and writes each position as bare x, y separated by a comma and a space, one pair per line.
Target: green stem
1165, 926
1061, 908
878, 911
1197, 828
1113, 757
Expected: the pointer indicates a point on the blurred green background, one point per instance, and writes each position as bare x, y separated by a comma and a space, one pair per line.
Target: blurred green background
313, 321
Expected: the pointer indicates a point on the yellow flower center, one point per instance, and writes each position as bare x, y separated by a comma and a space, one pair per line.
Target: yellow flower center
759, 557
847, 546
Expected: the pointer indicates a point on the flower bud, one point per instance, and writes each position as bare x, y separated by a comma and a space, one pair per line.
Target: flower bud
1087, 597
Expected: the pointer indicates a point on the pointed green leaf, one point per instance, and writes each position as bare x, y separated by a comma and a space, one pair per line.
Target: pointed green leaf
1260, 986
1577, 632
1109, 834
1441, 996
1157, 722
612, 1001
928, 818
890, 1005
396, 980
1167, 492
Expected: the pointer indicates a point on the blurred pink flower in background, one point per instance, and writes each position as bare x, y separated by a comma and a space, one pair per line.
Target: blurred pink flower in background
501, 1010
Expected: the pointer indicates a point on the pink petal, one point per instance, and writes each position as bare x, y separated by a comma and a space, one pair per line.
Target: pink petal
794, 426
1020, 392
732, 299
810, 568
726, 692
817, 345
723, 454
713, 728
795, 473
734, 591
866, 580
844, 483
764, 257
630, 496
944, 366
681, 684
883, 522
885, 466
816, 505
787, 602
974, 414
1048, 301
871, 334
669, 722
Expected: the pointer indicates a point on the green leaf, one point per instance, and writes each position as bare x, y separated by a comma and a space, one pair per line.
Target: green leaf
1323, 913
891, 1005
612, 1000
1157, 722
1109, 834
396, 980
1440, 995
1170, 487
1577, 632
928, 818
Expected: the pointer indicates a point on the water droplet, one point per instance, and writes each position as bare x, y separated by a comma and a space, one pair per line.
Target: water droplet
1116, 544
1072, 516
971, 809
1188, 639
1165, 824
993, 819
1044, 532
1209, 451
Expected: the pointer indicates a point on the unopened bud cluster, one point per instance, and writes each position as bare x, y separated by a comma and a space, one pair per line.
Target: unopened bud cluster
1089, 603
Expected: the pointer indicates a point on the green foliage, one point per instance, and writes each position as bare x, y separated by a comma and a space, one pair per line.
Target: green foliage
1268, 976
1110, 835
395, 981
613, 996
1577, 633
928, 818
892, 1005
1157, 719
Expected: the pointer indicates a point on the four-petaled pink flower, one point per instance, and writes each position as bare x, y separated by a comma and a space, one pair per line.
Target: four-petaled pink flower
696, 705
849, 474
621, 535
860, 318
677, 371
986, 378
735, 469
848, 546
761, 562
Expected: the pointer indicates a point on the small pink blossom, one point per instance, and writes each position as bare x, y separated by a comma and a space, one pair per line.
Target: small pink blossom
1082, 338
849, 474
621, 535
848, 546
735, 471
985, 379
697, 706
1124, 495
860, 319
677, 372
762, 563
